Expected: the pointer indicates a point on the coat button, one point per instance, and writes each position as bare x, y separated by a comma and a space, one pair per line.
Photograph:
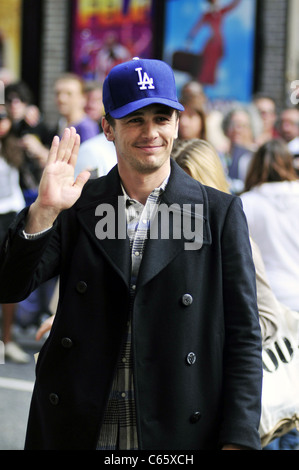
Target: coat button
191, 358
195, 417
67, 343
187, 299
54, 399
81, 287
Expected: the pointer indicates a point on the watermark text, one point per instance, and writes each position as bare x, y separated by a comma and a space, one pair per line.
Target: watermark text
294, 97
2, 99
2, 353
161, 222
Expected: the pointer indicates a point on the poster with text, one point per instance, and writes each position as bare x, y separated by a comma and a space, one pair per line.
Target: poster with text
212, 42
108, 32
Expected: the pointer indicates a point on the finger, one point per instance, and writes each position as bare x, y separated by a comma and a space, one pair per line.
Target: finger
70, 144
53, 150
82, 178
64, 142
75, 150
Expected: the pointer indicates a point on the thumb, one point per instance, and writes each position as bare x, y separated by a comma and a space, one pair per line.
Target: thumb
82, 178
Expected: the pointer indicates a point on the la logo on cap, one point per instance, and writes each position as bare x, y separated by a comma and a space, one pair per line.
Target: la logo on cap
145, 82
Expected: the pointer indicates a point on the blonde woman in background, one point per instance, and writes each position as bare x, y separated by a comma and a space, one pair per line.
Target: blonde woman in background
200, 160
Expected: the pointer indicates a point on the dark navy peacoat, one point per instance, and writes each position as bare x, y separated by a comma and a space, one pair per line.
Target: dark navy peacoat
195, 329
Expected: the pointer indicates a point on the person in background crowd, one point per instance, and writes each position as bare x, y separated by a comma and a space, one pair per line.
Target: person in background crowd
289, 128
71, 101
241, 129
11, 202
193, 89
289, 132
97, 154
33, 135
6, 76
35, 138
266, 106
213, 117
271, 205
192, 120
93, 92
200, 160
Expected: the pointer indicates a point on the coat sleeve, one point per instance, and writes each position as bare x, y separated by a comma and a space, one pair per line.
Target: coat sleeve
25, 264
242, 351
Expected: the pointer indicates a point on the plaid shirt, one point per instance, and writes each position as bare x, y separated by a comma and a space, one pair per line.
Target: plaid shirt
119, 429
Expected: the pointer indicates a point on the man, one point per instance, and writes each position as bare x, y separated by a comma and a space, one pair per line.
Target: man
70, 101
93, 92
34, 136
156, 341
289, 129
266, 107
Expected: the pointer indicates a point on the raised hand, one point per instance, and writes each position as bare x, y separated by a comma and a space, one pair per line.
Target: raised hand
57, 189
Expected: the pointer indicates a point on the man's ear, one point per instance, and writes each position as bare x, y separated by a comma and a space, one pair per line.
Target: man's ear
107, 129
177, 129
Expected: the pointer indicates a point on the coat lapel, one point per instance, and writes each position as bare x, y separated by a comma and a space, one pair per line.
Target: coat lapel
101, 210
185, 202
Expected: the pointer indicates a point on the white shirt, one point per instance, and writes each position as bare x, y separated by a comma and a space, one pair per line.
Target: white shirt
272, 211
96, 154
293, 146
11, 196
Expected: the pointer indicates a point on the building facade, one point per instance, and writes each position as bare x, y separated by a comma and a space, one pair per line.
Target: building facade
47, 42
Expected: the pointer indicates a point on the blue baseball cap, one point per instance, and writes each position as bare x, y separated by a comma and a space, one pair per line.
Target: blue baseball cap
140, 82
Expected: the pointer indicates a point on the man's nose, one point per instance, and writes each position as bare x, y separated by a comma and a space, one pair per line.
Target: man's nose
150, 130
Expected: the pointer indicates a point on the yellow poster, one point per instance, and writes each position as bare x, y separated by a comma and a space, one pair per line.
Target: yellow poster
107, 12
10, 35
108, 32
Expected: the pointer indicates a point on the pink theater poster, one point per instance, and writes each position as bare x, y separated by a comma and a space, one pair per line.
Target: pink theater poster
212, 42
108, 32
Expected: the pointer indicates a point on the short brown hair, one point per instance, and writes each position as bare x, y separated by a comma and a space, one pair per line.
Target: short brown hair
111, 120
195, 103
272, 162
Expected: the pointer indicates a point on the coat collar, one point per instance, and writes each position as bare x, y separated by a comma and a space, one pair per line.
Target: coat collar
186, 195
181, 191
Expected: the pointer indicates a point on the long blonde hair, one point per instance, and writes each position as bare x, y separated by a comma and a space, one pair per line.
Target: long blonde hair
201, 161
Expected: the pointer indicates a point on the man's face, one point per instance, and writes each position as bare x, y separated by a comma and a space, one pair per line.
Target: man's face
16, 108
69, 96
289, 124
190, 124
239, 131
266, 108
144, 139
94, 104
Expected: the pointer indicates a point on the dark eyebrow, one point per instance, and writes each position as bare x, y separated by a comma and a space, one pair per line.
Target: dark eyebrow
157, 109
163, 109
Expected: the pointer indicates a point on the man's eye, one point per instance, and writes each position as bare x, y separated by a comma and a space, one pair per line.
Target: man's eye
162, 118
134, 120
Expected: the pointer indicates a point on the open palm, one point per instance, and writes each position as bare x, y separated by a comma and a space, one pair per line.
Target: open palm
58, 189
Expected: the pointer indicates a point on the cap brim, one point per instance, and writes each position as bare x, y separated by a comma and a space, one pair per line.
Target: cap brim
135, 105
